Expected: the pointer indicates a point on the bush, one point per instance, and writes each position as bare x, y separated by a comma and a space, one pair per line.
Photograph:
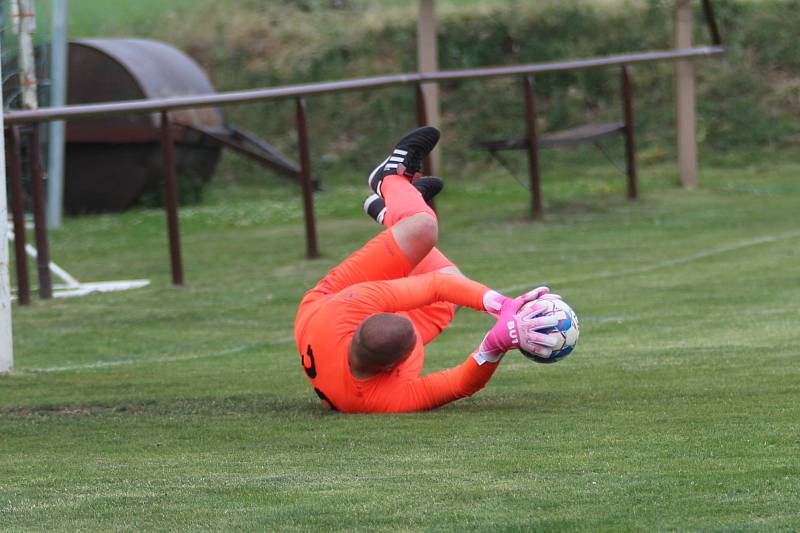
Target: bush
749, 97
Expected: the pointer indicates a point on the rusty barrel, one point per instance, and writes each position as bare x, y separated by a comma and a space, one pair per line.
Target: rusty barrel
112, 161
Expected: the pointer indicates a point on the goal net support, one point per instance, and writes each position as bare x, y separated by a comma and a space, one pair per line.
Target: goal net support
70, 286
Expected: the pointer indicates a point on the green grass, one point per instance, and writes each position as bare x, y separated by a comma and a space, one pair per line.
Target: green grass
168, 408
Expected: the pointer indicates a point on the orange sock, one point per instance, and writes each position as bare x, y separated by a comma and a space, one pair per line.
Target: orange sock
402, 200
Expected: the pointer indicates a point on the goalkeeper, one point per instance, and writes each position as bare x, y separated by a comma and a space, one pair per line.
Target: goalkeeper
361, 330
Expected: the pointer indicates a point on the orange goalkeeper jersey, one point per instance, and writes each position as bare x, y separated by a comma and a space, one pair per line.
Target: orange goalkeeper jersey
324, 329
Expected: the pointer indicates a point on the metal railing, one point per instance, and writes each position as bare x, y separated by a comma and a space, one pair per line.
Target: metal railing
299, 92
309, 89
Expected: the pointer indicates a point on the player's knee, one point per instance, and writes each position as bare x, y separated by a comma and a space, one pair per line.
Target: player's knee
416, 235
426, 230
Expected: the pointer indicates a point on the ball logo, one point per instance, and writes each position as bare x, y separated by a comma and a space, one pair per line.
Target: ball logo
512, 331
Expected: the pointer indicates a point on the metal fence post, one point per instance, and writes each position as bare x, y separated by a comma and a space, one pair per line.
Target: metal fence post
171, 198
630, 146
305, 179
14, 165
422, 120
533, 149
711, 21
40, 217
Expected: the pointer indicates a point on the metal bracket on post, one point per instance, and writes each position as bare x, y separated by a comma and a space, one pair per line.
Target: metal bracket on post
305, 179
171, 198
533, 149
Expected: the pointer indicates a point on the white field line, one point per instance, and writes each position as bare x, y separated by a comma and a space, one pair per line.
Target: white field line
602, 275
663, 264
157, 360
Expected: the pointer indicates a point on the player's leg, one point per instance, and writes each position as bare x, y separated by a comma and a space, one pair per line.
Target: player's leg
410, 220
398, 201
395, 252
392, 253
432, 319
428, 187
435, 261
381, 258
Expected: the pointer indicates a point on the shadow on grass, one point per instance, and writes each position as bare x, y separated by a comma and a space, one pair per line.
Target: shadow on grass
218, 406
260, 405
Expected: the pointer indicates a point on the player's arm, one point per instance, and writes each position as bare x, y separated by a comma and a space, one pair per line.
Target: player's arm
438, 388
418, 291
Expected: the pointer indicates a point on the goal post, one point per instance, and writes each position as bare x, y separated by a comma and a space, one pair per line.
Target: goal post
6, 350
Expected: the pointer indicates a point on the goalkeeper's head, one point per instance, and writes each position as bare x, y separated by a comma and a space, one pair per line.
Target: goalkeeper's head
381, 342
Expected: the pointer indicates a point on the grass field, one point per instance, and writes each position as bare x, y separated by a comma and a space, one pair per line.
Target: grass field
169, 408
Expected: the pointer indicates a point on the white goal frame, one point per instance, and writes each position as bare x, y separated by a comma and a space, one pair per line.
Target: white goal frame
6, 347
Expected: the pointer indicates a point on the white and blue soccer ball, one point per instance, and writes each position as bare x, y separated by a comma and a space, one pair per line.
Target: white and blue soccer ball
568, 327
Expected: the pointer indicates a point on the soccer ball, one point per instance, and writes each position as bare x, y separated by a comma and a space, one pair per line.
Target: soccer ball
568, 326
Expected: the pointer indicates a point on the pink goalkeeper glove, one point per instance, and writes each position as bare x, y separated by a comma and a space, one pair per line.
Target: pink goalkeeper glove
493, 301
512, 327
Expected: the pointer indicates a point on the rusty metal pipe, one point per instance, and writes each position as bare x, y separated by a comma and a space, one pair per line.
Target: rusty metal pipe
305, 179
233, 97
630, 145
711, 21
40, 217
422, 120
171, 198
14, 166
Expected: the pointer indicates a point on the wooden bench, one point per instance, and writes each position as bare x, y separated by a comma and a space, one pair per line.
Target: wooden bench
573, 136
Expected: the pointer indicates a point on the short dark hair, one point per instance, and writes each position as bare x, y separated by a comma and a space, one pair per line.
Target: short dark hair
384, 339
